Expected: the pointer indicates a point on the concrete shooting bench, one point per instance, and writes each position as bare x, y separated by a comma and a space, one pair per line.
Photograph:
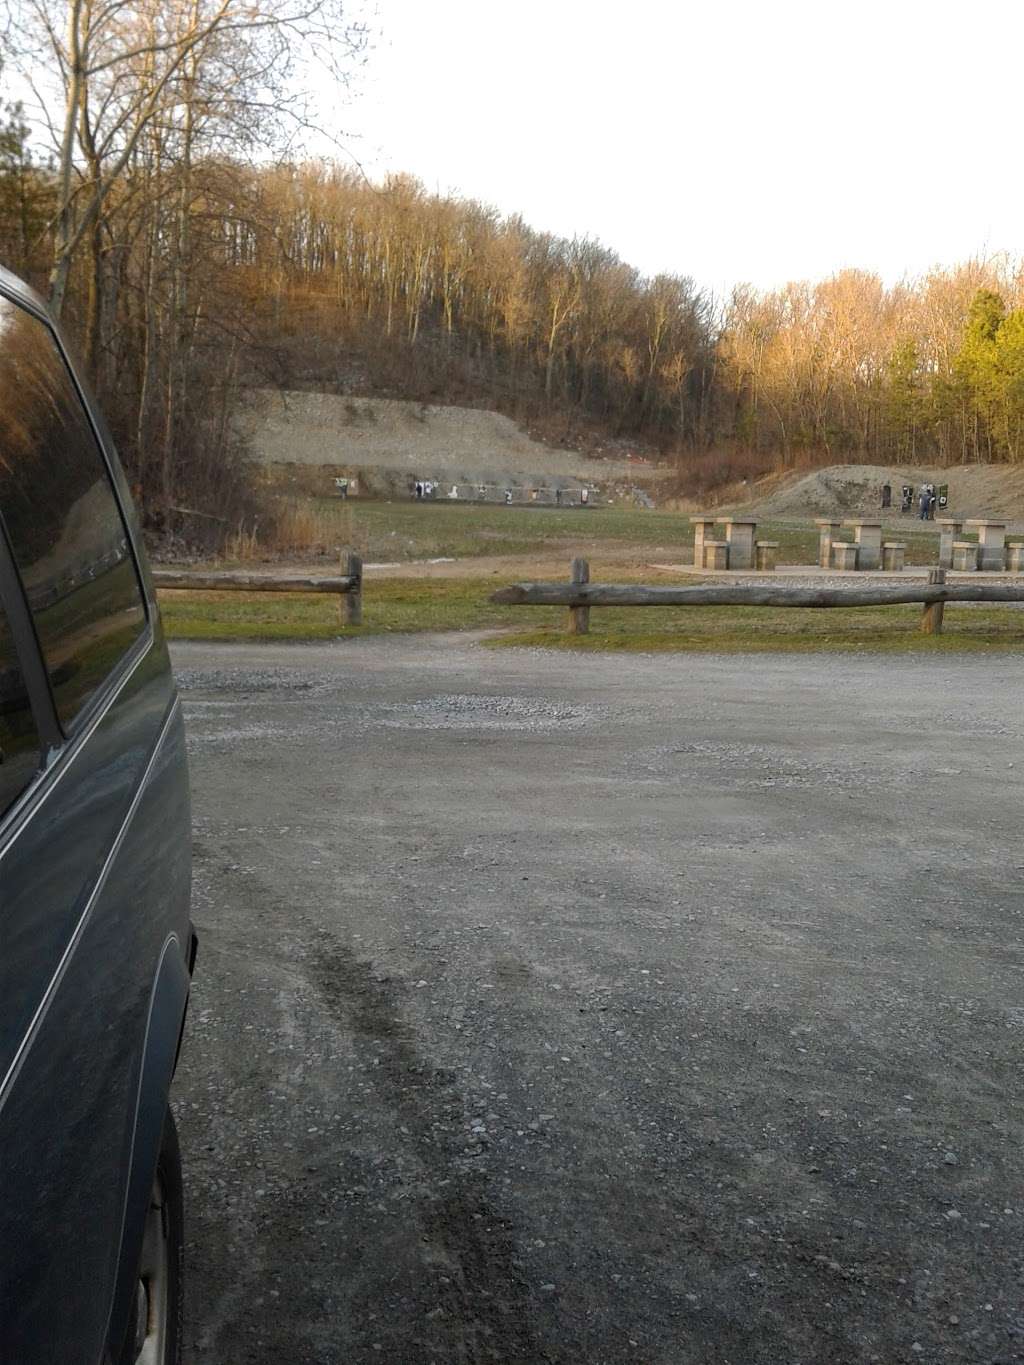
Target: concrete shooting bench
863, 552
867, 536
739, 536
739, 546
988, 552
991, 543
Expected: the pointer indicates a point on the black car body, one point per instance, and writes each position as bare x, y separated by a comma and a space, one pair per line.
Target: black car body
97, 945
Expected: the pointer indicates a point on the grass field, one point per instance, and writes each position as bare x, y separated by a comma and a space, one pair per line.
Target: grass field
763, 630
426, 530
621, 543
416, 604
389, 604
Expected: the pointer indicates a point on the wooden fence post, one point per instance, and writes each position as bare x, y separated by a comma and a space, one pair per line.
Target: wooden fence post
931, 617
579, 617
352, 601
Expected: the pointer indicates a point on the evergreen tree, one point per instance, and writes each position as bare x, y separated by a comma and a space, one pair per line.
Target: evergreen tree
975, 366
1007, 385
904, 400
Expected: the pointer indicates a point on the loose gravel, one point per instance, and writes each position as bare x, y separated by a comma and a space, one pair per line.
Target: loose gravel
591, 1008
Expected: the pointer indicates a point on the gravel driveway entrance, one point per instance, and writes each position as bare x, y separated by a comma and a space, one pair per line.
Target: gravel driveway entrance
599, 1009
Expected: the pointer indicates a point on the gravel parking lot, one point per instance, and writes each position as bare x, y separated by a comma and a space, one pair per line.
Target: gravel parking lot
604, 1008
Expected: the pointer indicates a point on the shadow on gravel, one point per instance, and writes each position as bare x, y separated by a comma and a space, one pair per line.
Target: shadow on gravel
481, 1309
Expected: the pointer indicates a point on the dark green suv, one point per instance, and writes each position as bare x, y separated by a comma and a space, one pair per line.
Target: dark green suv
97, 946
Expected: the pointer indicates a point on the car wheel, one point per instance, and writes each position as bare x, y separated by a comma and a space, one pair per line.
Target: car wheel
155, 1335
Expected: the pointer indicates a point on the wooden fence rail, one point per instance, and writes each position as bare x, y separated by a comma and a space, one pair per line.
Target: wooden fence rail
580, 594
348, 585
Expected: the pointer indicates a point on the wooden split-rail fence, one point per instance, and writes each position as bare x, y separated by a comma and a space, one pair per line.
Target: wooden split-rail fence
579, 595
348, 585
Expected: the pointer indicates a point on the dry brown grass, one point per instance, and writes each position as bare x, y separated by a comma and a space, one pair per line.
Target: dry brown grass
296, 527
243, 542
719, 475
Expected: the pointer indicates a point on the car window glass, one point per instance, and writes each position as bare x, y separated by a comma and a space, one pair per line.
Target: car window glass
62, 519
19, 742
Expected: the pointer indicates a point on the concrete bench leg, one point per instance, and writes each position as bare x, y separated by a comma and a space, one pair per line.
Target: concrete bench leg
828, 531
893, 557
767, 552
947, 535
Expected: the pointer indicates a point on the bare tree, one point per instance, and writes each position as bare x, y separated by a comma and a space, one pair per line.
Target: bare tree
125, 65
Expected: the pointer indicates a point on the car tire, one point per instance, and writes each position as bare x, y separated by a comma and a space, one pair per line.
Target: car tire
155, 1331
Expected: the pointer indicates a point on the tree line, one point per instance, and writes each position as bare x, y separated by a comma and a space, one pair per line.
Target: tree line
927, 370
189, 264
150, 110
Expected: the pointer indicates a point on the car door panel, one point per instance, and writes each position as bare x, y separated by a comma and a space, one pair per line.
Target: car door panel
67, 1117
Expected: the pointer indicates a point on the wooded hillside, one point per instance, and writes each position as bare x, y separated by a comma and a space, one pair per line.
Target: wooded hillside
186, 267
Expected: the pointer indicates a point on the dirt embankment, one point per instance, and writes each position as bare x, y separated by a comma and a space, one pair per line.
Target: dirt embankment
417, 439
993, 491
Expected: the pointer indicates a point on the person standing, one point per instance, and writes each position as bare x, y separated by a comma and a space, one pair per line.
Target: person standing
922, 503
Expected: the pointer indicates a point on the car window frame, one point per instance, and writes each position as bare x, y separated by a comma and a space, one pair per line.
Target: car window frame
102, 696
34, 673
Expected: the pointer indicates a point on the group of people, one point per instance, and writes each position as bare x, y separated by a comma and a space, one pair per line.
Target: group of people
927, 500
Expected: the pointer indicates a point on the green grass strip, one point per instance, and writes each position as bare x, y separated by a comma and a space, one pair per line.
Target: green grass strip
407, 605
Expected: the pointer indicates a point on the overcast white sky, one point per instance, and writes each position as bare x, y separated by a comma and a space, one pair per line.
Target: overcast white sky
729, 140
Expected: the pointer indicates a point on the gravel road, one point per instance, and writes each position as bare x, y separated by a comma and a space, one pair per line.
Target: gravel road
596, 1009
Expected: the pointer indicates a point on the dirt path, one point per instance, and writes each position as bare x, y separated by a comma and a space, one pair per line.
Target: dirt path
547, 565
